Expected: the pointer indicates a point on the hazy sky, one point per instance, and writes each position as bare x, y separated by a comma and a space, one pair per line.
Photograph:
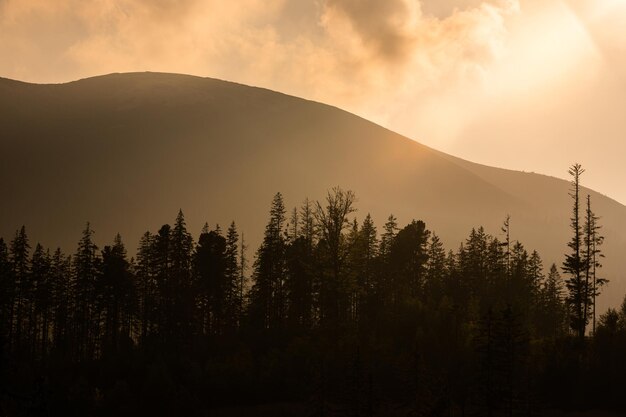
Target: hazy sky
526, 84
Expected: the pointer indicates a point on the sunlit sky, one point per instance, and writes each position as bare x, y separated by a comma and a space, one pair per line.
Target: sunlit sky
533, 85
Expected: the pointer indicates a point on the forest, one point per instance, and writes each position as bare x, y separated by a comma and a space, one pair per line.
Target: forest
328, 317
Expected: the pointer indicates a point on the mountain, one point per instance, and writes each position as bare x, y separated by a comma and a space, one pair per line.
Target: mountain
126, 151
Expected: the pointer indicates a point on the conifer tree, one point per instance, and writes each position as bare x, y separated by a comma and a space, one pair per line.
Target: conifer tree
408, 256
39, 302
435, 268
212, 285
294, 225
300, 265
307, 223
183, 300
243, 281
593, 254
146, 286
535, 278
117, 295
552, 298
85, 321
383, 280
521, 286
369, 254
299, 284
231, 275
389, 233
268, 292
165, 286
352, 280
20, 265
506, 229
575, 264
62, 301
498, 272
182, 247
473, 265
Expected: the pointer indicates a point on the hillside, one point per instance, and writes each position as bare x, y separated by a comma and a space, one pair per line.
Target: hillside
126, 151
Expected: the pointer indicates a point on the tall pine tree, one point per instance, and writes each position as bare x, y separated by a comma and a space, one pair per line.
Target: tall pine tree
575, 264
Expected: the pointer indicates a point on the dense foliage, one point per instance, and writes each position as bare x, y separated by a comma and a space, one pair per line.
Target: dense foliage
333, 318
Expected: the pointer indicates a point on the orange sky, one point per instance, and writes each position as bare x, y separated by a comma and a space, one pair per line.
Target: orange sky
526, 84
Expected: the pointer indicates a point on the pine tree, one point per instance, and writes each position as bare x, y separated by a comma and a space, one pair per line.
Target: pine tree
352, 281
117, 295
592, 242
62, 301
231, 275
19, 260
521, 284
212, 284
389, 233
535, 277
435, 269
300, 266
367, 265
506, 229
575, 265
552, 298
161, 253
243, 281
86, 322
39, 303
294, 225
268, 292
299, 285
408, 256
307, 222
384, 284
145, 272
498, 272
473, 265
183, 309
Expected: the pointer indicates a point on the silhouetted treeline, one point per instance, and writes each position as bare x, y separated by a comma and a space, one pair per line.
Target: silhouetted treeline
331, 318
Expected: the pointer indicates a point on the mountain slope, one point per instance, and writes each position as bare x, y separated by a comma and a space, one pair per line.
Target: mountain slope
126, 151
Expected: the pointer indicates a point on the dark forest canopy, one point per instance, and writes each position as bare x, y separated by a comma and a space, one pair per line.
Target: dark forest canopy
329, 317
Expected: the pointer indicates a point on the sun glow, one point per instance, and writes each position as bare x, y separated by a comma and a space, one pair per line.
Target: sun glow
599, 9
608, 5
545, 50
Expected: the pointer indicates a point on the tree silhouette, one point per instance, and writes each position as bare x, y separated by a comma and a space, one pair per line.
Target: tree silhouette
213, 285
359, 325
408, 256
593, 240
19, 260
575, 264
268, 291
86, 320
117, 296
332, 219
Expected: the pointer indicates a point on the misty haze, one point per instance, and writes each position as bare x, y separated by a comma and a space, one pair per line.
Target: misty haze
331, 208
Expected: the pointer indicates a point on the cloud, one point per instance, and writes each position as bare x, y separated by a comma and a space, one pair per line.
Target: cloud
356, 45
442, 8
453, 74
388, 28
432, 55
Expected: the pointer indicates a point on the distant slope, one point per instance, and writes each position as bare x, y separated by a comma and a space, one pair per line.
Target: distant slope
126, 151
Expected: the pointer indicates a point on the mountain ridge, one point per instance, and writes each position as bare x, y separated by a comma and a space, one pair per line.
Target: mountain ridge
126, 150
